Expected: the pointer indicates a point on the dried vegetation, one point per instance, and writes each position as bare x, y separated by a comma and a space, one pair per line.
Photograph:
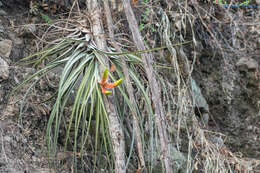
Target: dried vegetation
194, 141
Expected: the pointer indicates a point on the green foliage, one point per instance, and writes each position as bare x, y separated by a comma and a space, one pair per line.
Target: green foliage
144, 19
145, 2
246, 2
141, 26
86, 123
46, 19
145, 23
81, 73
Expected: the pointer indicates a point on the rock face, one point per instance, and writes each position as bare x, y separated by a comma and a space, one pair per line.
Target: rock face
5, 48
4, 69
231, 86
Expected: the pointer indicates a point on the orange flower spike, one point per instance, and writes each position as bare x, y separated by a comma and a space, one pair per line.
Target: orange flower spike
108, 92
134, 1
104, 77
104, 91
113, 85
118, 82
104, 85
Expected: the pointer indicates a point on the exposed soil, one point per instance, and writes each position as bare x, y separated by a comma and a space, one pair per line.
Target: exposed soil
22, 131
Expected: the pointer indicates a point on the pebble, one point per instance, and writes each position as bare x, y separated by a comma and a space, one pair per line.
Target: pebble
247, 62
5, 48
4, 69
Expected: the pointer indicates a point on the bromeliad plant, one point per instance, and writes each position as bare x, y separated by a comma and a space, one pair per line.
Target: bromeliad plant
81, 62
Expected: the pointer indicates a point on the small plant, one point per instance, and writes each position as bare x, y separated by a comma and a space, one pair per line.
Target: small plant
145, 2
34, 8
141, 26
144, 20
246, 2
47, 19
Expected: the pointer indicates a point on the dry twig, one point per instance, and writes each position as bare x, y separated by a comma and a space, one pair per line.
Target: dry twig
115, 129
155, 90
128, 84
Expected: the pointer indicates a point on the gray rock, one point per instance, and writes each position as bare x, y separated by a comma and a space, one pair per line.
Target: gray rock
2, 12
248, 63
16, 40
4, 69
178, 160
2, 28
7, 139
5, 48
200, 101
1, 4
217, 141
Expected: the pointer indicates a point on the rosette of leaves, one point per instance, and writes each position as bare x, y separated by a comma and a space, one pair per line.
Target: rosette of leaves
81, 62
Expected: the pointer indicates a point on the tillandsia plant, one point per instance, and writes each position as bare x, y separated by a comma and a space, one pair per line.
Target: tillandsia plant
81, 62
